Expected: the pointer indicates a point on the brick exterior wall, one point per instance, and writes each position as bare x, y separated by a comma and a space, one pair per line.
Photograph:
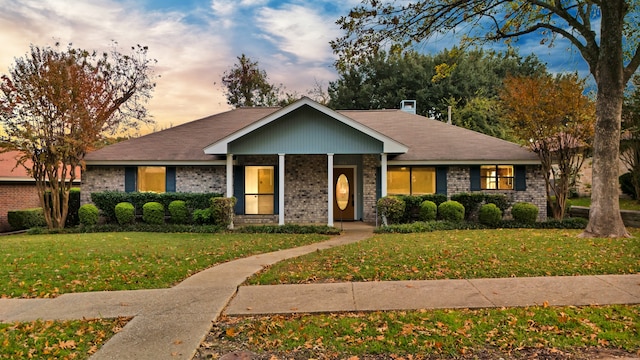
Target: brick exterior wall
305, 189
370, 165
201, 179
459, 180
16, 197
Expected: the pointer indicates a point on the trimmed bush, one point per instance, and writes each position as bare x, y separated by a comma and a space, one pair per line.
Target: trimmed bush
26, 218
179, 212
153, 213
88, 215
391, 208
222, 210
202, 216
499, 200
451, 211
412, 205
489, 215
125, 213
524, 212
471, 203
428, 210
627, 186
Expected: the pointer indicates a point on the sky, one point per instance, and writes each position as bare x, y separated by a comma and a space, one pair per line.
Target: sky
196, 41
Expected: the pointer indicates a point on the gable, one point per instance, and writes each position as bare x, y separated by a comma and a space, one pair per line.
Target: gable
305, 131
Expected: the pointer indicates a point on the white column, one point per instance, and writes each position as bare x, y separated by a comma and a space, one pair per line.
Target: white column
383, 175
281, 189
330, 189
229, 175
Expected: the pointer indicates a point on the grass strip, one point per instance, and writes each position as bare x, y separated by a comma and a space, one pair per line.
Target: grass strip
48, 265
461, 254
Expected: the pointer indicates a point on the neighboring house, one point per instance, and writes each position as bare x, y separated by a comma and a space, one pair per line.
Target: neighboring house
285, 165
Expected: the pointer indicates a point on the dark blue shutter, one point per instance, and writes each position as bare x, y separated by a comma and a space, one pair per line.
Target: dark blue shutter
520, 172
474, 176
238, 188
171, 179
130, 174
276, 191
378, 183
441, 180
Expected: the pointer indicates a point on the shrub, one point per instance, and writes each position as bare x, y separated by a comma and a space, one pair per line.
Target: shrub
412, 205
222, 210
153, 213
202, 216
499, 200
26, 218
179, 212
391, 208
88, 214
451, 211
428, 210
489, 215
627, 186
524, 212
125, 213
471, 203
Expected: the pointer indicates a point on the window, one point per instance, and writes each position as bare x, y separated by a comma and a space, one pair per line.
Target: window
406, 180
259, 190
496, 177
152, 178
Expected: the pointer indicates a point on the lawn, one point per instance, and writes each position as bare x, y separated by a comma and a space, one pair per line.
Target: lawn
49, 265
461, 254
625, 204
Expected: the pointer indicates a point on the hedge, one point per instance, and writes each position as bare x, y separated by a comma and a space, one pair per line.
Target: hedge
391, 208
413, 202
26, 219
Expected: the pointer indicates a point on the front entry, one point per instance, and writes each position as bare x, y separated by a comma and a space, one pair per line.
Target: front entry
344, 194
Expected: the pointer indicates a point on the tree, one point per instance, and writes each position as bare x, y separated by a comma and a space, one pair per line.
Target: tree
555, 119
376, 23
55, 105
630, 140
247, 85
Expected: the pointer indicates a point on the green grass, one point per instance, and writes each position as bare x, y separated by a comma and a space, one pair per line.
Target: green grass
48, 265
443, 333
625, 204
461, 254
56, 339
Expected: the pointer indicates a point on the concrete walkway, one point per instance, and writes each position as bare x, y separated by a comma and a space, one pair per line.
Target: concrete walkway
171, 323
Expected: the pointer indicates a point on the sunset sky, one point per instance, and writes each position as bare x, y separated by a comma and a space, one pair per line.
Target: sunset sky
195, 41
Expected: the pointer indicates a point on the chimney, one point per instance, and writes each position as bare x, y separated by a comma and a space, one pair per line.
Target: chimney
408, 106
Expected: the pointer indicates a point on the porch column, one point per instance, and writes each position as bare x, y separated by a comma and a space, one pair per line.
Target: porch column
330, 189
281, 189
229, 175
383, 174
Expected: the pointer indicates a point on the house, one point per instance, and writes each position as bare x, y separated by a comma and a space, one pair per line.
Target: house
306, 163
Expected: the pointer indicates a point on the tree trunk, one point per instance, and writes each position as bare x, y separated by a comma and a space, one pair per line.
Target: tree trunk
604, 216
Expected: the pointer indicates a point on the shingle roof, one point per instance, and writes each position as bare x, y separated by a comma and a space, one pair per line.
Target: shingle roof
428, 140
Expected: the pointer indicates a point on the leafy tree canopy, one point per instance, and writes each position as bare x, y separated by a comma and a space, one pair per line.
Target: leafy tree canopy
248, 85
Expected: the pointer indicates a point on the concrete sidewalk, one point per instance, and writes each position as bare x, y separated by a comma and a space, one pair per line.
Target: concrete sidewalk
171, 323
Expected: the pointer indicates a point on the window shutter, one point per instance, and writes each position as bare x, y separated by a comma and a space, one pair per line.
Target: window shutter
171, 179
441, 180
474, 177
520, 172
238, 188
130, 174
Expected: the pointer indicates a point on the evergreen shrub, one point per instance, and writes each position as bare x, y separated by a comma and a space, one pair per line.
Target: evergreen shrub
202, 216
451, 211
489, 215
88, 215
428, 210
524, 212
179, 212
222, 210
125, 213
153, 213
26, 218
392, 208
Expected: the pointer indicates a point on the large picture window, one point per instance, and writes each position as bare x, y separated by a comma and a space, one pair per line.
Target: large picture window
259, 190
407, 180
152, 178
496, 177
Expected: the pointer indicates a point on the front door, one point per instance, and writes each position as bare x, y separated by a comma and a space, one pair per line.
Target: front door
344, 194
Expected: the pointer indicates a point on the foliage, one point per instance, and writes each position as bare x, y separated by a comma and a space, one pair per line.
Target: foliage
471, 203
74, 206
88, 214
26, 218
222, 210
630, 140
106, 201
543, 332
288, 229
429, 226
482, 114
153, 213
53, 129
428, 210
391, 209
524, 212
125, 213
202, 216
489, 215
179, 212
123, 260
612, 53
77, 339
627, 185
413, 203
451, 211
247, 85
556, 119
